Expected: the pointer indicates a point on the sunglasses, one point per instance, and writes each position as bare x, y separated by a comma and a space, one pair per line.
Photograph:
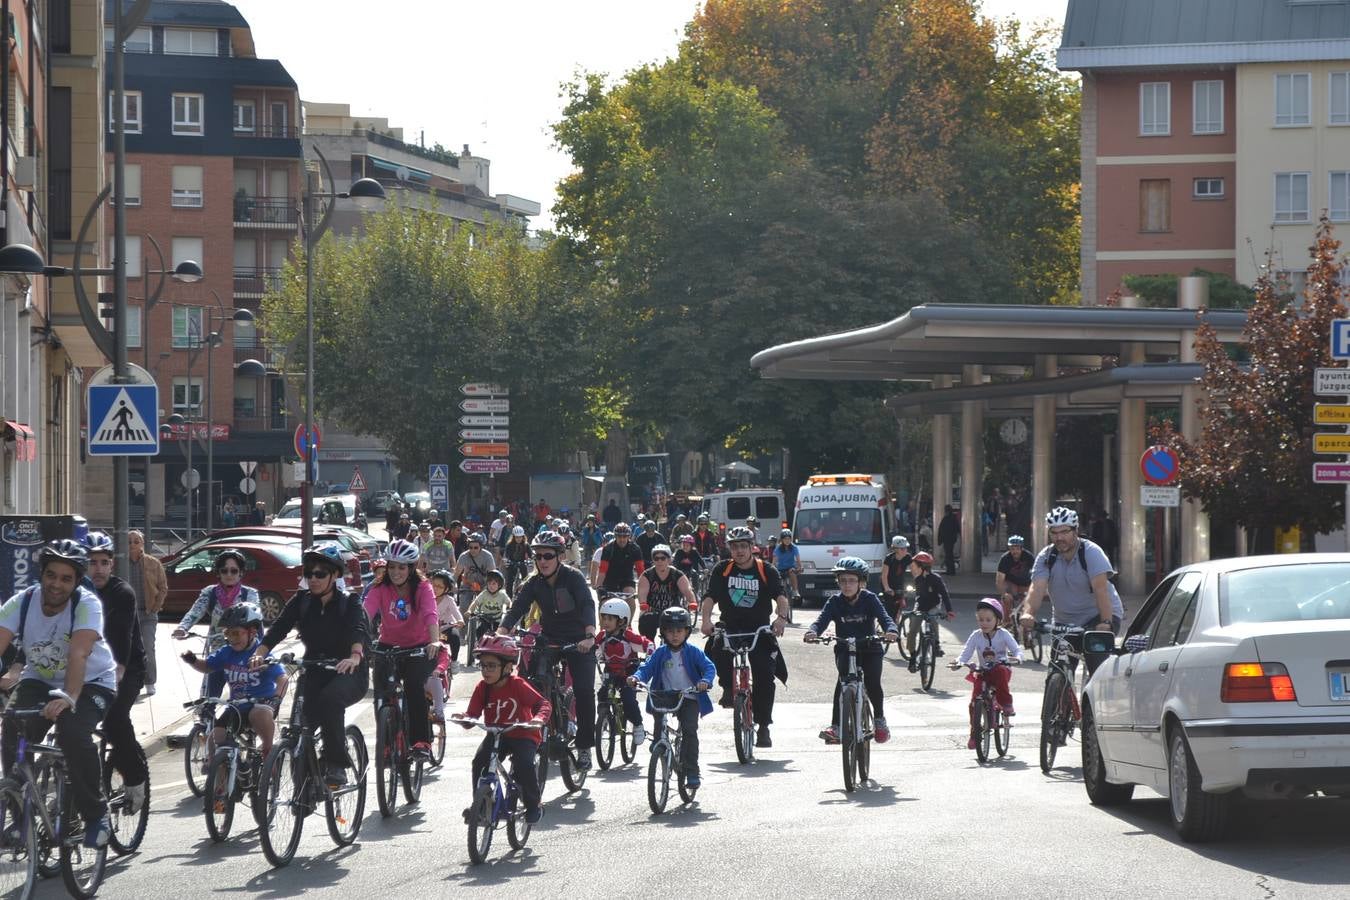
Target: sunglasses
659, 556
317, 573
230, 571
546, 557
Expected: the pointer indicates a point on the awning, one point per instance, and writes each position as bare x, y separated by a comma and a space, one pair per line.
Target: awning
401, 171
21, 436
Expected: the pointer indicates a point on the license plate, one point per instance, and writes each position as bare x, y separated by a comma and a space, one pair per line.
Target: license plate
1340, 686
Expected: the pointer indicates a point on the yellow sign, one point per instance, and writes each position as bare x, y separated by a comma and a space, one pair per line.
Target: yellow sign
1331, 413
1331, 443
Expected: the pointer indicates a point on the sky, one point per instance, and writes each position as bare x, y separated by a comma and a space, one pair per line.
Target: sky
486, 74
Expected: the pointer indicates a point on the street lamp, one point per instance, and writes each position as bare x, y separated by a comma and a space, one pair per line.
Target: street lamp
365, 193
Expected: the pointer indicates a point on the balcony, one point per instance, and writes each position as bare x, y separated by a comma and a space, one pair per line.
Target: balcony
268, 131
265, 212
246, 348
278, 421
253, 283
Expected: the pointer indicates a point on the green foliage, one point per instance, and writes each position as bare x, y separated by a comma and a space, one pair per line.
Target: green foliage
1160, 291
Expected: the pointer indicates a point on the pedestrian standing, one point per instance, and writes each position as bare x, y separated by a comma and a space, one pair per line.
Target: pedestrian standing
145, 574
949, 532
259, 516
228, 514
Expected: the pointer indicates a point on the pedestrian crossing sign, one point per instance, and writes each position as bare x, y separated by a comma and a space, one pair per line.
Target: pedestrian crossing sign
124, 419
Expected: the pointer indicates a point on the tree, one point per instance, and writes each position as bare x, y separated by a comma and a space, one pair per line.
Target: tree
1253, 462
1161, 290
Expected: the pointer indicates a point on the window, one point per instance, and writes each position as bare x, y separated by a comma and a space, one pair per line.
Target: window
1339, 205
187, 186
1293, 99
1309, 592
1155, 204
1208, 107
133, 183
766, 510
187, 114
830, 527
187, 396
187, 332
139, 42
1167, 629
190, 41
1339, 93
1208, 189
133, 325
133, 254
278, 118
1291, 196
132, 111
245, 116
187, 248
1155, 108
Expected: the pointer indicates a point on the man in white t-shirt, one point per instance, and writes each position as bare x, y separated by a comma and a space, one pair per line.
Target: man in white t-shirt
69, 673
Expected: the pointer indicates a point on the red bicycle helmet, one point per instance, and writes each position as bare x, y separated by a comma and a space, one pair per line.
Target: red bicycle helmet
924, 558
502, 646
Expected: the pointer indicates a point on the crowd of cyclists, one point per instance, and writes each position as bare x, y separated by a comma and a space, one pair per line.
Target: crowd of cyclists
76, 653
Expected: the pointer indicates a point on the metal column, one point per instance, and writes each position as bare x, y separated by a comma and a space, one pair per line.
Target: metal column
942, 457
972, 480
1192, 293
1130, 433
1042, 453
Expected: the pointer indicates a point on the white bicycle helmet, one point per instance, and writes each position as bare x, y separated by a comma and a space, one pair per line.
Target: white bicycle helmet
518, 531
1061, 515
900, 542
401, 551
615, 607
661, 548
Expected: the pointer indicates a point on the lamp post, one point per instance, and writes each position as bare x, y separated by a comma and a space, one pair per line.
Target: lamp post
366, 193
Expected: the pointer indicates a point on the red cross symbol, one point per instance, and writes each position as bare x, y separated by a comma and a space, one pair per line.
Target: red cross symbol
835, 551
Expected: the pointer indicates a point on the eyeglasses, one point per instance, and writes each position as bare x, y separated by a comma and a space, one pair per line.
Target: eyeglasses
1061, 532
546, 557
317, 573
487, 666
230, 571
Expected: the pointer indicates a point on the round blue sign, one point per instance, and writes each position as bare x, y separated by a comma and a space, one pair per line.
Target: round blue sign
1159, 465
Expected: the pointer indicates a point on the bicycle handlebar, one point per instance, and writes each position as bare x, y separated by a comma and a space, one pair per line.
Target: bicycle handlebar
494, 729
685, 694
396, 652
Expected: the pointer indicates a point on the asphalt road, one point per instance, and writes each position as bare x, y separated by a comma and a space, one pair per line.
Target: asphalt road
933, 820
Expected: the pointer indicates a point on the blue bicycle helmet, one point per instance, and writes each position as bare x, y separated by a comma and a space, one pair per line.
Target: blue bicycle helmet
851, 565
98, 542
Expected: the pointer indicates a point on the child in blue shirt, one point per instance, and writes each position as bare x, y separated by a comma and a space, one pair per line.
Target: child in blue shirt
676, 666
264, 687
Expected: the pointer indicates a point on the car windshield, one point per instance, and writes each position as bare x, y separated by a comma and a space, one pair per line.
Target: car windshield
417, 497
287, 554
1293, 593
838, 526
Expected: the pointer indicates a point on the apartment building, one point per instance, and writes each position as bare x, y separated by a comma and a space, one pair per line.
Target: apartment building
1213, 134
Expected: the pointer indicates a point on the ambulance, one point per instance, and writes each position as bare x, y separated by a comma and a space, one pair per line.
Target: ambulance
838, 516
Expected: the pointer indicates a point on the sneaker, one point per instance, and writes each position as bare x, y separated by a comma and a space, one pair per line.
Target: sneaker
336, 776
96, 836
584, 759
135, 794
830, 735
639, 735
938, 653
1009, 711
532, 816
726, 701
422, 750
468, 815
438, 718
149, 690
913, 664
881, 732
970, 744
693, 782
762, 739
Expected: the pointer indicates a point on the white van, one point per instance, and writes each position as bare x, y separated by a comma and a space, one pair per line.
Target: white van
838, 516
731, 508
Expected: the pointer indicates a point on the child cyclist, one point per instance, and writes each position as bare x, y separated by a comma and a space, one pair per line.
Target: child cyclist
987, 646
621, 647
492, 601
264, 687
504, 698
855, 613
929, 591
452, 623
675, 666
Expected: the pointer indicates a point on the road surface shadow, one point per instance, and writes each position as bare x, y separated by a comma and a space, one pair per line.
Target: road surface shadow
681, 815
757, 769
569, 809
405, 821
868, 793
304, 873
499, 869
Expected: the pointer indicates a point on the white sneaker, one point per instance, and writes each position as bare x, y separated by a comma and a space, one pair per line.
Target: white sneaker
149, 690
639, 735
135, 797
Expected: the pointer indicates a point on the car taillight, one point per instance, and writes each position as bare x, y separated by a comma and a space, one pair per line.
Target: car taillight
1256, 683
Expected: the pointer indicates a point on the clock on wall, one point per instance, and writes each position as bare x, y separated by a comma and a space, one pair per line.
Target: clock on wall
1013, 431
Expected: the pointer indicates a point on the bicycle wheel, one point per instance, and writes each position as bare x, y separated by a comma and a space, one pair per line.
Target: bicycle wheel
345, 808
282, 798
414, 767
18, 844
128, 828
81, 868
848, 737
658, 779
481, 824
541, 759
1055, 711
605, 738
572, 774
980, 728
1002, 732
517, 829
45, 792
438, 736
681, 778
902, 644
218, 804
386, 760
927, 663
627, 736
743, 728
195, 759
864, 763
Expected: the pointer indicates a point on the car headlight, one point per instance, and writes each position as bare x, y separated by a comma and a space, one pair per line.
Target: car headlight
808, 566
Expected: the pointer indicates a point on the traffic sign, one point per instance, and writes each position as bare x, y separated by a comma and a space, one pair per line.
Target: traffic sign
438, 472
485, 421
300, 443
1331, 443
1331, 473
485, 466
247, 485
440, 495
357, 485
485, 406
484, 389
485, 449
1159, 465
1340, 338
1152, 495
1331, 413
487, 434
127, 417
1332, 381
248, 467
190, 479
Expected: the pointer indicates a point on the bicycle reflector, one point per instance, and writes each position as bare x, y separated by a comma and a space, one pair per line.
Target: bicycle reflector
1252, 682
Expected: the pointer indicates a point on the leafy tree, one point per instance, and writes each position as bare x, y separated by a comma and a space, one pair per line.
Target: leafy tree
1252, 464
1161, 290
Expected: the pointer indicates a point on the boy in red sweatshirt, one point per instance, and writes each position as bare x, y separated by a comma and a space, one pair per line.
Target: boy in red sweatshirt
503, 698
621, 647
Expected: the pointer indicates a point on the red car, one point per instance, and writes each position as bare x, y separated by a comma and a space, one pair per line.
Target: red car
271, 566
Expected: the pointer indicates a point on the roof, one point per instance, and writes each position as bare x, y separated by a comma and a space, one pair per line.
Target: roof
188, 13
1152, 33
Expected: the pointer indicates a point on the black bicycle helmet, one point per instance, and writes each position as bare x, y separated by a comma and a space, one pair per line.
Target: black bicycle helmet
67, 551
242, 615
497, 574
676, 617
228, 553
445, 575
548, 540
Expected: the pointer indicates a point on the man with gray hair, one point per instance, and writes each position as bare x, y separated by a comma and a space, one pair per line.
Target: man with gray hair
146, 576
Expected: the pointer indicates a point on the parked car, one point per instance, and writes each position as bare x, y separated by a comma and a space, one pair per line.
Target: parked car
356, 554
334, 509
1234, 680
379, 501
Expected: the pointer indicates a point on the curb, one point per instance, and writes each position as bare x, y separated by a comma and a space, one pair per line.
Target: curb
167, 737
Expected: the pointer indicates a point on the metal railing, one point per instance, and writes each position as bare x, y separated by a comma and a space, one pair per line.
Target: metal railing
276, 422
265, 211
268, 131
256, 281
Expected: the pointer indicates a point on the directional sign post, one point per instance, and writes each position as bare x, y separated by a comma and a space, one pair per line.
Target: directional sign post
124, 420
485, 406
485, 466
1331, 443
485, 449
484, 389
1331, 413
485, 421
1331, 473
483, 434
1159, 465
1331, 382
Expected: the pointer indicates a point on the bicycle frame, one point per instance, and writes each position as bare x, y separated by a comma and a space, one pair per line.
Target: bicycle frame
740, 665
854, 676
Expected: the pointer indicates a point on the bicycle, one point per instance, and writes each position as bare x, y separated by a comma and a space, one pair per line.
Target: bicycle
987, 716
1060, 712
667, 745
38, 817
611, 726
495, 797
395, 761
742, 704
478, 625
293, 784
792, 594
559, 734
855, 714
128, 826
926, 652
196, 749
233, 773
904, 623
1030, 638
438, 731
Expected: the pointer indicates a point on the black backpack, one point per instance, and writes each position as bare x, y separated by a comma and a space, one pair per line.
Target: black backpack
1082, 561
368, 643
27, 600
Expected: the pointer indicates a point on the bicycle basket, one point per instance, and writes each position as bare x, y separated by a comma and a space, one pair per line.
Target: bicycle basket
666, 701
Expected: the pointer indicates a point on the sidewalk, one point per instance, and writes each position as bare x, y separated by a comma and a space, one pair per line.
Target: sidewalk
976, 585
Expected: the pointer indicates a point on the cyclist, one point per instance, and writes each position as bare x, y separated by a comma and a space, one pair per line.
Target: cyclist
676, 666
787, 559
929, 591
661, 587
620, 565
591, 535
491, 601
621, 649
438, 553
123, 635
988, 645
473, 564
681, 527
705, 541
753, 524
516, 555
332, 625
1014, 576
447, 610
593, 573
405, 607
503, 698
855, 613
213, 601
745, 591
68, 667
649, 538
496, 529
566, 616
893, 569
572, 555
264, 687
1079, 586
686, 559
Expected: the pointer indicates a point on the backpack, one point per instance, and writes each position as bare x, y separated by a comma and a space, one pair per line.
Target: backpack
1082, 561
759, 564
27, 600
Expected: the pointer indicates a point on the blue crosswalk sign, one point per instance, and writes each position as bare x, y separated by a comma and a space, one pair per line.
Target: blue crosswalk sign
438, 472
123, 420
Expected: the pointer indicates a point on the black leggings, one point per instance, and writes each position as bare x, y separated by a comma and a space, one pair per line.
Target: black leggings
327, 696
126, 752
870, 664
413, 672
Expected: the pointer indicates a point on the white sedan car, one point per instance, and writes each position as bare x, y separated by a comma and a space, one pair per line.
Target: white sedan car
1234, 679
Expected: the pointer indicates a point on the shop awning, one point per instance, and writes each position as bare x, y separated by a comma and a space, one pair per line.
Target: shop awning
21, 436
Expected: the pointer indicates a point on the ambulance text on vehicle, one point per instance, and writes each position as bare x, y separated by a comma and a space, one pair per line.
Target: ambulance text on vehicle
838, 516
